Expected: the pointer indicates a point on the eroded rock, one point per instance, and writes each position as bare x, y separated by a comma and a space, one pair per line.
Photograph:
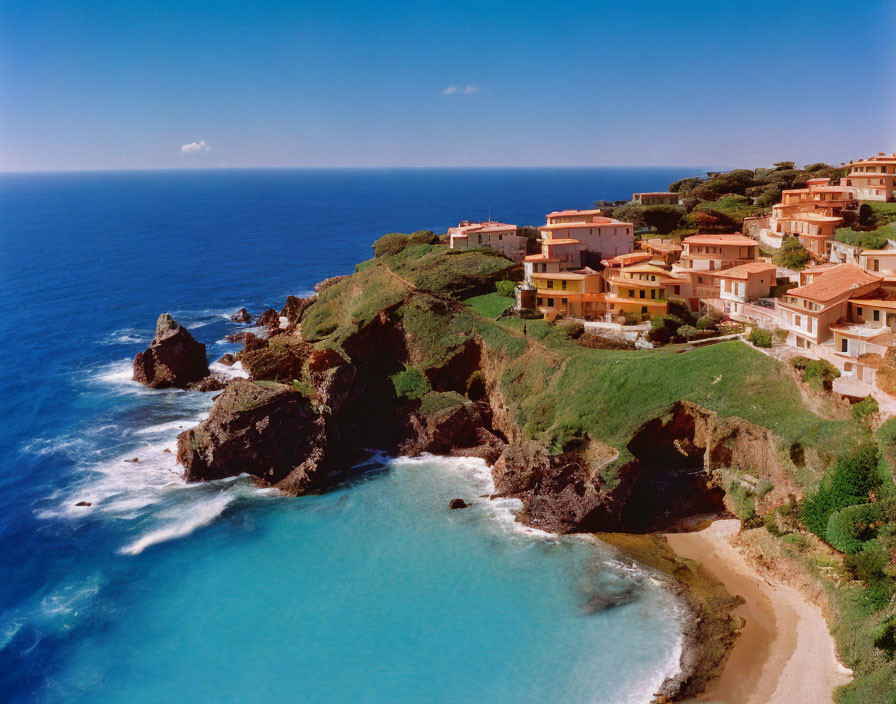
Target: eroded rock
173, 359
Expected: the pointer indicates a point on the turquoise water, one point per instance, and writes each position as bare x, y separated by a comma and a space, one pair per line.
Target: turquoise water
375, 592
163, 592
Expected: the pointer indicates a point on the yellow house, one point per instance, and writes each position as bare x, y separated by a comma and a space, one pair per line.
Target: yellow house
575, 293
641, 291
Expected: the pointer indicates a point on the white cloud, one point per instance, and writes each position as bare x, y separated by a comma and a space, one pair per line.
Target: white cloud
195, 147
460, 90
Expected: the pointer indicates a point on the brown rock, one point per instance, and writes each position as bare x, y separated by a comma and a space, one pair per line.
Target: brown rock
269, 319
267, 432
83, 503
174, 359
228, 360
457, 503
209, 383
242, 316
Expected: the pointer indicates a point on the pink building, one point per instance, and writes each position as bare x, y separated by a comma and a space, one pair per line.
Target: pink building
745, 283
496, 235
602, 237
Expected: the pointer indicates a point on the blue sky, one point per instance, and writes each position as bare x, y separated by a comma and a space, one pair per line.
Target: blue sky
134, 84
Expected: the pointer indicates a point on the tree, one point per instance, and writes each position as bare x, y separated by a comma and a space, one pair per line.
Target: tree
662, 218
792, 255
784, 165
867, 217
632, 213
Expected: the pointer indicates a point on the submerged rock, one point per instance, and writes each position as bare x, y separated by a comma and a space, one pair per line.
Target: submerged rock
174, 359
455, 504
209, 383
84, 503
242, 316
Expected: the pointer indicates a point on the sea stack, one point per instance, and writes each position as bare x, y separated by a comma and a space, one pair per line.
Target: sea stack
174, 359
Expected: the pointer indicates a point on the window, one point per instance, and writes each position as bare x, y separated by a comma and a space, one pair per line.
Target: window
551, 302
643, 310
876, 263
643, 293
859, 311
844, 345
563, 284
796, 320
876, 315
550, 283
809, 324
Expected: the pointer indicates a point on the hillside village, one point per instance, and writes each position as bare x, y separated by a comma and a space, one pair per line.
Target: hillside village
812, 278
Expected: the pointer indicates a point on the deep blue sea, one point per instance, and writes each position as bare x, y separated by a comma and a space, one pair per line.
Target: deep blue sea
163, 592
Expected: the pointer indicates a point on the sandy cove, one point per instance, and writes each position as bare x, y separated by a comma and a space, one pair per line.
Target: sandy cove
785, 653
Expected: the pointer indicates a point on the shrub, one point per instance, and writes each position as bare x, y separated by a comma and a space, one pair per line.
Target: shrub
572, 330
864, 409
505, 288
708, 321
689, 332
663, 328
781, 334
847, 484
865, 240
850, 527
422, 237
760, 337
393, 243
662, 218
792, 254
818, 373
410, 384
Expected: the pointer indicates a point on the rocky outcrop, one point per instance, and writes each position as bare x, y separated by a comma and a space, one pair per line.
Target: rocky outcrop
174, 359
268, 431
294, 308
241, 316
326, 283
278, 358
269, 319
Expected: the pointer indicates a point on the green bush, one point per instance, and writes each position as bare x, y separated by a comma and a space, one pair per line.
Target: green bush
847, 484
422, 237
689, 332
393, 243
708, 321
505, 288
760, 337
865, 240
781, 334
818, 373
864, 409
850, 527
410, 384
792, 254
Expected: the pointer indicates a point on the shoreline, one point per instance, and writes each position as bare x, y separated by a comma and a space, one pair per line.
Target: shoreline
785, 652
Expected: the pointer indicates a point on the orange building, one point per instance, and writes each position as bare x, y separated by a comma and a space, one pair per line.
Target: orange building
812, 214
874, 178
705, 255
641, 291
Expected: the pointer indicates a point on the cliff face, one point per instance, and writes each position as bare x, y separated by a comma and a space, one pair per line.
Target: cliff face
308, 412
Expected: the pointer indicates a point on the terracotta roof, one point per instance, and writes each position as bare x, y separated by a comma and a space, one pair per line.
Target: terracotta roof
567, 213
834, 283
743, 271
569, 275
600, 222
663, 246
732, 239
630, 257
560, 240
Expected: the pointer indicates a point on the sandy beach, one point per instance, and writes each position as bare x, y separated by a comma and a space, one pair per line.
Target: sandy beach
785, 653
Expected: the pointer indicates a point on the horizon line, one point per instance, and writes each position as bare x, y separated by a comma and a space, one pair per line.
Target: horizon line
347, 168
